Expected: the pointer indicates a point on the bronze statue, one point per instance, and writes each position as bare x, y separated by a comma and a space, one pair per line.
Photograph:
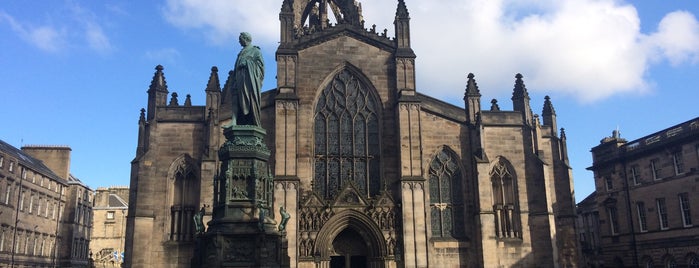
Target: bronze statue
285, 218
198, 221
247, 80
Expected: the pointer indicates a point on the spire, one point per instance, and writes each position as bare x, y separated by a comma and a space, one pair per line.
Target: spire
520, 90
549, 115
402, 28
158, 83
548, 108
157, 92
286, 19
213, 84
471, 87
402, 11
472, 100
520, 100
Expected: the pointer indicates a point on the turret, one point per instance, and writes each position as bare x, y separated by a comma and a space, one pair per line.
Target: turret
142, 146
549, 115
157, 92
472, 100
402, 26
520, 100
405, 57
213, 102
286, 23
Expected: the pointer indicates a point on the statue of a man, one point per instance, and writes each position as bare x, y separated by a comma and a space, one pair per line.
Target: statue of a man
247, 82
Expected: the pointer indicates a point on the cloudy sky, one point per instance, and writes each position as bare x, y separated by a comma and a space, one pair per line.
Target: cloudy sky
76, 72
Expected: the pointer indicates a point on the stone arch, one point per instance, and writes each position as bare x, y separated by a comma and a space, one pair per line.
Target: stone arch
358, 222
505, 192
356, 72
183, 190
347, 133
446, 193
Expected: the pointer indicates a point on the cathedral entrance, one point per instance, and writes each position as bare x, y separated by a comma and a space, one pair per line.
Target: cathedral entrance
350, 239
349, 250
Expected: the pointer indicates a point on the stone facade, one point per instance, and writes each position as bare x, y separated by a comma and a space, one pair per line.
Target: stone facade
646, 195
44, 210
109, 225
371, 171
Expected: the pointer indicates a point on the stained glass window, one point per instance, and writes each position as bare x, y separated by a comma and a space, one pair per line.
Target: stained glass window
446, 206
346, 139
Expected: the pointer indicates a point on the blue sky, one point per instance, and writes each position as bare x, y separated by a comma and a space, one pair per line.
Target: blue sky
76, 72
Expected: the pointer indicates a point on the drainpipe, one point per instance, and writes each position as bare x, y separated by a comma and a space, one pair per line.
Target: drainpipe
14, 235
630, 214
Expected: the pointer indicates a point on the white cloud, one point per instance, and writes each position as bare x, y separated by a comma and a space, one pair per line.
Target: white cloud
60, 35
589, 49
46, 38
223, 20
677, 38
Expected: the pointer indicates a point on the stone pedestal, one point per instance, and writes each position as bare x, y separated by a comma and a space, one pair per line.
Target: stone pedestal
242, 232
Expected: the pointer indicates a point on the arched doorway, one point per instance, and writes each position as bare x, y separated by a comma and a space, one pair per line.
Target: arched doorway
350, 239
349, 250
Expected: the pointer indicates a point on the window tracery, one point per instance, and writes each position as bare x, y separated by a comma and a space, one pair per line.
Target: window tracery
505, 204
446, 205
346, 142
184, 202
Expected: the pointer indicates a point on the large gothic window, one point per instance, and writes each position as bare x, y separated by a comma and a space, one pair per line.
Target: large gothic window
504, 200
184, 203
446, 206
346, 137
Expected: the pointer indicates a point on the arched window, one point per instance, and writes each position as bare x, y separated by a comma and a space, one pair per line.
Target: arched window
693, 261
346, 137
185, 200
670, 262
505, 204
446, 205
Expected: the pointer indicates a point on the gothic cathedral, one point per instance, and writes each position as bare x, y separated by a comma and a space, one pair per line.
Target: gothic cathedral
372, 172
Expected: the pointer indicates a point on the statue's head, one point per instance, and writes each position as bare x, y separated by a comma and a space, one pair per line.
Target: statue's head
245, 39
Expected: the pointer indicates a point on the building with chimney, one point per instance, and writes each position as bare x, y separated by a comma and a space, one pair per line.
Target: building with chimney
647, 198
44, 210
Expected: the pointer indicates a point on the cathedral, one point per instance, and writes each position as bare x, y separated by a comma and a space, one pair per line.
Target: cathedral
372, 172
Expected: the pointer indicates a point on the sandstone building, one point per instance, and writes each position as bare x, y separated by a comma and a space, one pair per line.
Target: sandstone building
647, 198
44, 211
109, 225
373, 172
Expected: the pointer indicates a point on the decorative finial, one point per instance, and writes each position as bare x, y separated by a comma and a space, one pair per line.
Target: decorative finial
213, 84
402, 10
563, 133
143, 115
494, 105
472, 87
173, 99
520, 89
158, 83
188, 100
548, 107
